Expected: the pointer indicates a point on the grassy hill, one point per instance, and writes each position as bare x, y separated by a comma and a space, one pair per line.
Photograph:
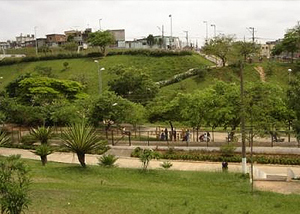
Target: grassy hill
85, 69
159, 68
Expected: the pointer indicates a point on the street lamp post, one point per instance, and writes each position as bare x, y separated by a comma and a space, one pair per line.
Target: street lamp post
171, 37
100, 24
289, 136
290, 71
215, 29
206, 37
99, 76
36, 45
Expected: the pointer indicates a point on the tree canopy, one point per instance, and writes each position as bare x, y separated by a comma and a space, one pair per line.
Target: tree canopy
101, 39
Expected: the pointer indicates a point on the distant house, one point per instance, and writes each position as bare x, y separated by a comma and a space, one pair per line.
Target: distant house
4, 45
80, 37
55, 40
165, 42
21, 40
266, 49
41, 42
119, 36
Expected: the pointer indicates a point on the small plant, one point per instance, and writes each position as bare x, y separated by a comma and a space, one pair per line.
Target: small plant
136, 152
42, 133
146, 156
14, 185
43, 151
107, 160
166, 165
4, 138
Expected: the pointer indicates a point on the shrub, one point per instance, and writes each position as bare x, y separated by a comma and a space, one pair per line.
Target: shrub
166, 165
28, 140
136, 152
227, 150
43, 151
146, 156
107, 160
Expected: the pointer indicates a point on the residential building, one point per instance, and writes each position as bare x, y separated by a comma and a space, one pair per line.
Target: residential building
4, 45
119, 36
164, 43
55, 40
266, 49
21, 40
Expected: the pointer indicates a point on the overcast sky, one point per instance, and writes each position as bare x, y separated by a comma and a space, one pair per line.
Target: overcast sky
139, 18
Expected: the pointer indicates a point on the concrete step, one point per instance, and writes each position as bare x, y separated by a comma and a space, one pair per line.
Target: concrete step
276, 177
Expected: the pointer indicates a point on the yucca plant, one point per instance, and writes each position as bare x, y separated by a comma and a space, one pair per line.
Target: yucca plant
4, 138
166, 165
81, 138
43, 151
42, 134
107, 160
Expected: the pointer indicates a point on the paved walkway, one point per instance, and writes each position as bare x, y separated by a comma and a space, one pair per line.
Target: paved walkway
260, 171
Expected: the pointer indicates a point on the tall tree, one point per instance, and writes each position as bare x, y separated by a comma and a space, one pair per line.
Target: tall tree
134, 85
219, 46
245, 49
101, 39
150, 40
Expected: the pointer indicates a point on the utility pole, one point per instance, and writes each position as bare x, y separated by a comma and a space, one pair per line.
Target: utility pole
206, 31
215, 29
244, 160
100, 24
187, 37
253, 37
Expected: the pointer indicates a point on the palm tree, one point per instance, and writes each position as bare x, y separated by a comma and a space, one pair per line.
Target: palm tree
43, 151
42, 133
4, 138
81, 138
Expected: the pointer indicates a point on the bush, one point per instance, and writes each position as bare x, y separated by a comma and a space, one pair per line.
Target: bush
28, 140
227, 150
107, 160
166, 165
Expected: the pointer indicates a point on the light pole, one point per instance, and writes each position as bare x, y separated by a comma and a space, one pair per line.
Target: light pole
171, 37
206, 37
244, 160
187, 37
215, 29
36, 44
100, 24
99, 76
162, 36
290, 71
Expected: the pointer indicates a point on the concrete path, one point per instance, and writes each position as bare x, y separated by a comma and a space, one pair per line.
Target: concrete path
260, 171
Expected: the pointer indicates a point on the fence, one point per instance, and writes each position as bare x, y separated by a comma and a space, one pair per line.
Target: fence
157, 136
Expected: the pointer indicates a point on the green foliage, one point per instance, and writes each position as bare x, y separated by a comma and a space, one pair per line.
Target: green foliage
66, 65
28, 140
227, 150
14, 185
110, 108
4, 138
42, 133
44, 71
133, 84
146, 155
107, 160
101, 39
246, 49
166, 165
81, 138
150, 40
43, 151
219, 46
70, 46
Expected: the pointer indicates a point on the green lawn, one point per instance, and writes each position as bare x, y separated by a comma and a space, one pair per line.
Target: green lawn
159, 68
65, 188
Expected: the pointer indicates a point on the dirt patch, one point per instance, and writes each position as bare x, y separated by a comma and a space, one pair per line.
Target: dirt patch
292, 187
261, 72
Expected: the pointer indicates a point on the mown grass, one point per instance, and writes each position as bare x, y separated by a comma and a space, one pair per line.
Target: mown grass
66, 188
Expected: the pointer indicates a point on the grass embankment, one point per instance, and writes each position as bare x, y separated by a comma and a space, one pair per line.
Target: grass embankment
85, 69
66, 188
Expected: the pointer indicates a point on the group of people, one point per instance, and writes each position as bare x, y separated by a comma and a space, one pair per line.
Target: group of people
166, 135
205, 137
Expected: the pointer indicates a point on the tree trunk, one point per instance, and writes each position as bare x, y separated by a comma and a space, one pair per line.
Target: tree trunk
44, 159
172, 130
81, 159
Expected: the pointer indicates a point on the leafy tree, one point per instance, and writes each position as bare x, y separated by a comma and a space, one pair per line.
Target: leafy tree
245, 49
81, 138
112, 109
150, 40
134, 85
14, 185
290, 43
101, 39
219, 46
